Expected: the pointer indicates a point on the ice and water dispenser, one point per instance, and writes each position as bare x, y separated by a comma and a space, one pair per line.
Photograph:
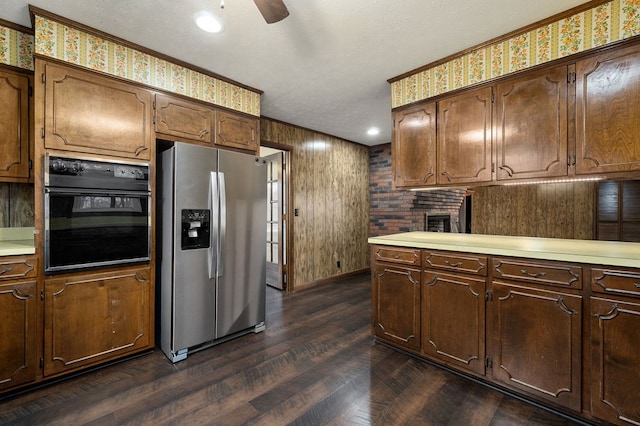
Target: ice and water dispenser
196, 228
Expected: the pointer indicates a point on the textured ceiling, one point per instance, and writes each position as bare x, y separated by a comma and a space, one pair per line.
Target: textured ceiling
326, 66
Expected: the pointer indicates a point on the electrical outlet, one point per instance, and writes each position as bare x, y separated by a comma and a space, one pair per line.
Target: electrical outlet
338, 263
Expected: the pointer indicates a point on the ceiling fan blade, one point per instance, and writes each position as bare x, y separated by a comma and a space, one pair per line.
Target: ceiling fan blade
272, 10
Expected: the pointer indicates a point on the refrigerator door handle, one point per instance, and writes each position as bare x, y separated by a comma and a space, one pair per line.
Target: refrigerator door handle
223, 221
213, 207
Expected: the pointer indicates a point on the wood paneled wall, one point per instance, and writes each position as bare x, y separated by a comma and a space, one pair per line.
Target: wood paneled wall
16, 205
330, 181
554, 210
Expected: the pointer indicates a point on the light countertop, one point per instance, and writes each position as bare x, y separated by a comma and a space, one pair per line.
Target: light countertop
16, 241
610, 253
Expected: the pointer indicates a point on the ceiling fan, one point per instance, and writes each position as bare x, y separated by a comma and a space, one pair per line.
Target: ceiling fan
272, 10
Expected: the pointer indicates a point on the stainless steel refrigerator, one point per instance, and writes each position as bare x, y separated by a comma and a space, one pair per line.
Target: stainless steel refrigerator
212, 247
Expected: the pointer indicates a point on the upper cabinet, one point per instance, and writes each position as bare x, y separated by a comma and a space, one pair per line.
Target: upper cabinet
414, 146
608, 112
237, 131
531, 125
464, 137
14, 125
90, 113
565, 119
185, 120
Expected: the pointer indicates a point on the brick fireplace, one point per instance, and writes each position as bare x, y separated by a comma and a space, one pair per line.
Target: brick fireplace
392, 211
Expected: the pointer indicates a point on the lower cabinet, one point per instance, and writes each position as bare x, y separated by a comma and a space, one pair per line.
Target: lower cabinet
18, 333
534, 338
396, 304
95, 317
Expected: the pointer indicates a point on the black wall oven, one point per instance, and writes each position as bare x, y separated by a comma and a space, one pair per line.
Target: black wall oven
97, 213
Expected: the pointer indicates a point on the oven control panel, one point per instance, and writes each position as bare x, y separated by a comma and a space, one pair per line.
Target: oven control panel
90, 173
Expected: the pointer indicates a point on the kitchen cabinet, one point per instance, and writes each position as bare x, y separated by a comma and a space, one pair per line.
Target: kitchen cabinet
183, 120
608, 112
615, 333
464, 150
96, 317
18, 321
14, 126
531, 125
91, 113
414, 146
453, 309
237, 131
534, 329
395, 298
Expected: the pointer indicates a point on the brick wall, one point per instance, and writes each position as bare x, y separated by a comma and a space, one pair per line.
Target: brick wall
392, 211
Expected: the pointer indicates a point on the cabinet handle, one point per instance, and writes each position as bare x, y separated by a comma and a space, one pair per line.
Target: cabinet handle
533, 274
637, 285
455, 265
4, 271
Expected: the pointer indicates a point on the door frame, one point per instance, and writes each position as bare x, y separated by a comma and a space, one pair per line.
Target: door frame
288, 184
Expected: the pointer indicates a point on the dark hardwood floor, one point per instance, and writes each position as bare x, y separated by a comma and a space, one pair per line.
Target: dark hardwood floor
316, 363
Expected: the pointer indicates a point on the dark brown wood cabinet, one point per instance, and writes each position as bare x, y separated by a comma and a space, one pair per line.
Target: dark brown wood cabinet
615, 333
90, 113
534, 329
14, 126
453, 310
464, 150
18, 321
184, 120
531, 125
414, 146
396, 297
237, 131
608, 112
96, 317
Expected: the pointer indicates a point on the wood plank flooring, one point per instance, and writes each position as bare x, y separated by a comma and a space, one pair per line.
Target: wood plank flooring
316, 364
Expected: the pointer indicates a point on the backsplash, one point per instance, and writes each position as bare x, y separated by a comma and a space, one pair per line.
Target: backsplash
603, 24
16, 205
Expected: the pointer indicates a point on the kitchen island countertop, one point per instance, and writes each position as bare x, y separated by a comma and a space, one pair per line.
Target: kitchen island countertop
16, 241
611, 253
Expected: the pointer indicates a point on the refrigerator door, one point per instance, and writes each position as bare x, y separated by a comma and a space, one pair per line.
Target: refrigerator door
243, 223
194, 293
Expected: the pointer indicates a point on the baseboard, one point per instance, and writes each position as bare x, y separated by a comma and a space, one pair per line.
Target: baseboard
331, 279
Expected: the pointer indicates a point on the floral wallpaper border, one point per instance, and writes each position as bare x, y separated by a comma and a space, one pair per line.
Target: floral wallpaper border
16, 48
56, 40
603, 24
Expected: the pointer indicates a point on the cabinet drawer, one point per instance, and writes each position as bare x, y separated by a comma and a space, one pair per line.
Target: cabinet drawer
538, 272
469, 264
12, 268
616, 281
404, 256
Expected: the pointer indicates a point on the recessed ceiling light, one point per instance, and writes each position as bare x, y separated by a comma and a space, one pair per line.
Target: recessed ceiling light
373, 131
207, 22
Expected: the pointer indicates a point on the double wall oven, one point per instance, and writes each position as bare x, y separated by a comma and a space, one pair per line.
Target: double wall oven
97, 213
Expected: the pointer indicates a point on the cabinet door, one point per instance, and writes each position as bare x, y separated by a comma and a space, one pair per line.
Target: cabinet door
86, 112
182, 119
535, 338
464, 137
615, 360
396, 305
414, 146
531, 125
18, 352
237, 131
453, 326
94, 318
14, 125
608, 112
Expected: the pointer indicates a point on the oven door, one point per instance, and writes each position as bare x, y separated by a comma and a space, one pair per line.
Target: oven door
89, 229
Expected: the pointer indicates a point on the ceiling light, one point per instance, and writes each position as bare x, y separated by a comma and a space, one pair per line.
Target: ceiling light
373, 131
207, 22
